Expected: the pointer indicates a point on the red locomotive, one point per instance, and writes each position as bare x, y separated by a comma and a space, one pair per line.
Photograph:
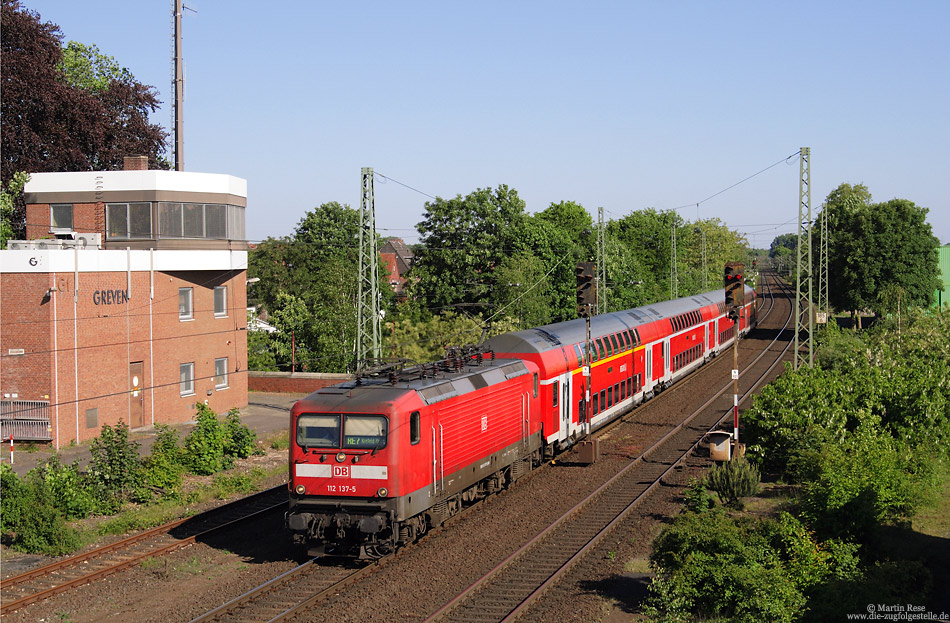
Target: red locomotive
376, 462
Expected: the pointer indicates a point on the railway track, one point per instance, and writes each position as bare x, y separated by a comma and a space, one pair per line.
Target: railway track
55, 578
512, 586
508, 590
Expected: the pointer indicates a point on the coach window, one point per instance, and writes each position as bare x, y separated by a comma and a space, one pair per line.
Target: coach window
415, 428
596, 404
623, 391
220, 301
186, 379
554, 387
603, 398
626, 338
185, 304
221, 373
610, 397
613, 340
600, 349
535, 384
581, 411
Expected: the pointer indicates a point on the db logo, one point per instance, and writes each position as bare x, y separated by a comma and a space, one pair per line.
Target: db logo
342, 471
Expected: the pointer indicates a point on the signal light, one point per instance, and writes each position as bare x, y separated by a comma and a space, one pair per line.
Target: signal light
586, 288
734, 284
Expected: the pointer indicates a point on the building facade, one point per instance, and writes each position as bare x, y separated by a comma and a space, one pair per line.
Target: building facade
135, 309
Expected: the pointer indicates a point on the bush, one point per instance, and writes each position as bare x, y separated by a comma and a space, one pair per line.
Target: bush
733, 480
709, 565
239, 439
696, 497
70, 490
204, 446
116, 469
30, 519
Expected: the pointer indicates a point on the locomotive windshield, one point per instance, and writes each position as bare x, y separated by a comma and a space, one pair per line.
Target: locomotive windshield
359, 432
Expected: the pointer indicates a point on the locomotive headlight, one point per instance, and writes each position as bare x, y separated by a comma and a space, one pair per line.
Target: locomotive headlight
300, 489
340, 457
383, 492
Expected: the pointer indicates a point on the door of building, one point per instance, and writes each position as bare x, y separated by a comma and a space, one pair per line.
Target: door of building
137, 394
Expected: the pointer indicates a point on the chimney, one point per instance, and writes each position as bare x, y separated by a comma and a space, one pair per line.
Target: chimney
135, 163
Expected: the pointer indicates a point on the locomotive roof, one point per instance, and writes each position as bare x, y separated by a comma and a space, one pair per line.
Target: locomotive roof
431, 382
555, 335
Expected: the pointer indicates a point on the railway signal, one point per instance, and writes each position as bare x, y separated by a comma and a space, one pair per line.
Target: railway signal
734, 284
586, 289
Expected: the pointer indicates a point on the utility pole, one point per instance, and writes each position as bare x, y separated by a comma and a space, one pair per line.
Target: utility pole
179, 89
367, 306
824, 303
601, 263
804, 316
734, 285
674, 277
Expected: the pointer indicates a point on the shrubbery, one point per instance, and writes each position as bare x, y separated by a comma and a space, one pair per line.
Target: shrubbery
35, 509
864, 435
733, 480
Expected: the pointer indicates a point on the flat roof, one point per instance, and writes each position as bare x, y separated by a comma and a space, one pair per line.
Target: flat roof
93, 186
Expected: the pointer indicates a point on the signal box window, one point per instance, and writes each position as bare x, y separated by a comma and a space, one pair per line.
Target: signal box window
185, 304
415, 428
221, 373
220, 301
186, 377
61, 217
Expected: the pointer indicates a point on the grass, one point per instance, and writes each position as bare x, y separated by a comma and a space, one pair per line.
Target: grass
280, 441
221, 487
935, 520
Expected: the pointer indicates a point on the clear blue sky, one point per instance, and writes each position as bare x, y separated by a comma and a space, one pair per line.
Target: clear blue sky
624, 105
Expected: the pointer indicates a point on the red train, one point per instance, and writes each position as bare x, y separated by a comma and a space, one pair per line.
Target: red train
376, 462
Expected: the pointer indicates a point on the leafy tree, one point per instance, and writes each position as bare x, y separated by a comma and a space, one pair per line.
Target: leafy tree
55, 113
86, 68
464, 240
785, 244
10, 196
874, 246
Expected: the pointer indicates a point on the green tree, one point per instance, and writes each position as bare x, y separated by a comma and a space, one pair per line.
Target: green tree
874, 246
47, 123
10, 195
86, 68
464, 240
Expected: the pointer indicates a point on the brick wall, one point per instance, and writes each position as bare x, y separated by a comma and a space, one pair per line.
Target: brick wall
82, 356
292, 383
88, 218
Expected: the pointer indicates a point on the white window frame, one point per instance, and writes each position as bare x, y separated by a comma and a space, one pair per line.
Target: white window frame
223, 313
189, 313
223, 376
186, 387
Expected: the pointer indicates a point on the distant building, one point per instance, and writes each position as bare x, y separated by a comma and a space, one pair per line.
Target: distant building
127, 302
397, 257
943, 294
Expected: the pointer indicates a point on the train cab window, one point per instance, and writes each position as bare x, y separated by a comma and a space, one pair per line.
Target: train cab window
535, 384
613, 339
365, 432
600, 349
318, 430
415, 428
554, 393
596, 404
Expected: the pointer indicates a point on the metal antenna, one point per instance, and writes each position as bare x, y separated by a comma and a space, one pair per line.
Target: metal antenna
804, 317
368, 323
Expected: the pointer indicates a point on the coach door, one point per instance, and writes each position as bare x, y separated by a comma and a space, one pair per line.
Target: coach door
566, 403
137, 394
